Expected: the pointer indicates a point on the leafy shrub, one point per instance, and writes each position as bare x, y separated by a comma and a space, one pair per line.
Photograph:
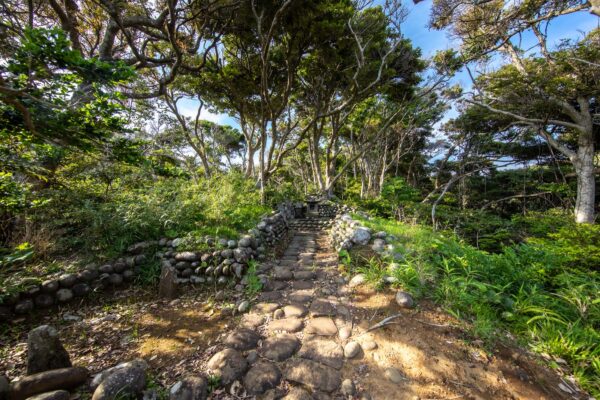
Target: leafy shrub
579, 245
540, 224
253, 283
18, 255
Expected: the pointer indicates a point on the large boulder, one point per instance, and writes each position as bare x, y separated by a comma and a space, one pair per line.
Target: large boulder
242, 339
280, 347
186, 256
361, 235
262, 377
67, 280
124, 379
378, 245
45, 351
44, 300
50, 286
246, 241
24, 306
404, 299
64, 295
357, 280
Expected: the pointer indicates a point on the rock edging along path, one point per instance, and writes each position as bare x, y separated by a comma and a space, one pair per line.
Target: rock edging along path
293, 342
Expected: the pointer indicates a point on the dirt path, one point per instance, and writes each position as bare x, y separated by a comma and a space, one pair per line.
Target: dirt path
304, 338
314, 330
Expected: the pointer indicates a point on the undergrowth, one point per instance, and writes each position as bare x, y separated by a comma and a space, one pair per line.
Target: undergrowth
535, 290
84, 222
253, 283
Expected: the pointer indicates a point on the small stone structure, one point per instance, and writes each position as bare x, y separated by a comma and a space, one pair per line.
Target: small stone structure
45, 351
316, 214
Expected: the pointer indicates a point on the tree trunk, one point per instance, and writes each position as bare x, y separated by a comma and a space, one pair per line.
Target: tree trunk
249, 162
263, 145
330, 173
384, 164
315, 157
586, 181
205, 164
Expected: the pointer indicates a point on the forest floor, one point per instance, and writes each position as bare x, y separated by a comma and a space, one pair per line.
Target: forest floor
423, 354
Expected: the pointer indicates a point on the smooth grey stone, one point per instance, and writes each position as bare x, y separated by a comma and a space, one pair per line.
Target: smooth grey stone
64, 295
45, 351
127, 380
189, 388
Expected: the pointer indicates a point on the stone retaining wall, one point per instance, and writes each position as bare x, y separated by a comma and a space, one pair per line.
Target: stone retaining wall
221, 261
329, 210
228, 259
346, 233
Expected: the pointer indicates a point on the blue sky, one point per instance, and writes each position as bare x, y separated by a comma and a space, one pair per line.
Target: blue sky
415, 28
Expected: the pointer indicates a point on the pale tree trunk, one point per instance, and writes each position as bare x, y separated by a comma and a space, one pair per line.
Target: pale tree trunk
317, 166
249, 162
317, 137
363, 188
248, 133
315, 159
586, 180
262, 177
383, 170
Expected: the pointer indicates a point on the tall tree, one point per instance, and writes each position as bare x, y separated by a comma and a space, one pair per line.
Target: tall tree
552, 91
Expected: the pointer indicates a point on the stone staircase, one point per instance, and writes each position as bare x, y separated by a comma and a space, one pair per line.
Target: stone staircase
313, 222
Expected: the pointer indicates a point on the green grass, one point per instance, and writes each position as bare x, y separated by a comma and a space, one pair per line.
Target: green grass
529, 290
253, 283
214, 381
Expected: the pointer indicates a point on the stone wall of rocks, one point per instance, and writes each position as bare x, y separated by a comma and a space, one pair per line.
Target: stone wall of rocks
329, 210
224, 259
346, 233
65, 287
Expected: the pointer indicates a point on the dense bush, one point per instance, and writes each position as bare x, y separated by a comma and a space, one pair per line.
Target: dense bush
91, 222
91, 217
579, 245
543, 290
